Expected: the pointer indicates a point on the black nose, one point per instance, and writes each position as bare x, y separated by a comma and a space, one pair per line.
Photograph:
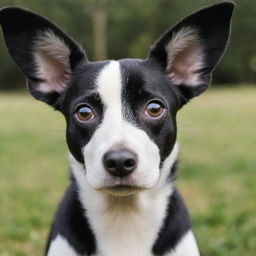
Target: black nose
120, 163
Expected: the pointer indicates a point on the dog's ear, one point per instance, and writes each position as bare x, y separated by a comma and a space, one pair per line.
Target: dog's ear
189, 51
42, 51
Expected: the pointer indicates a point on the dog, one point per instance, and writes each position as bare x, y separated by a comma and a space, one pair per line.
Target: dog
121, 130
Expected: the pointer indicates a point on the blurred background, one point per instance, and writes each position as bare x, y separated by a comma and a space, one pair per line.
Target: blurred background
216, 131
119, 29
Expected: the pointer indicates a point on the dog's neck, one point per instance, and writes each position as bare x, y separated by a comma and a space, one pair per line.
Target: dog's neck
137, 218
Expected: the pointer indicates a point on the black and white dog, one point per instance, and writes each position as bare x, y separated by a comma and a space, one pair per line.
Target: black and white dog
121, 130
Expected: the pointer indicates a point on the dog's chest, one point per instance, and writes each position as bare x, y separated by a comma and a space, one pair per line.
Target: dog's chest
125, 235
125, 230
132, 238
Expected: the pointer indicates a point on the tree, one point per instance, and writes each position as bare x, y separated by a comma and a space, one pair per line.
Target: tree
99, 18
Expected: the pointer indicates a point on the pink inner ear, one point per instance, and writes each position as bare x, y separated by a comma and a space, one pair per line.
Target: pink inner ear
185, 65
185, 58
52, 61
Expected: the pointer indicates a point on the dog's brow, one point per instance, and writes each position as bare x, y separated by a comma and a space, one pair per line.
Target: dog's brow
92, 94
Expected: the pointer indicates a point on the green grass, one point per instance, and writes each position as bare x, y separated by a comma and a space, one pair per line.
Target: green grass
217, 171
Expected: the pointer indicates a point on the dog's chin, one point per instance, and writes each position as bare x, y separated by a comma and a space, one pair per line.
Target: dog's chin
122, 190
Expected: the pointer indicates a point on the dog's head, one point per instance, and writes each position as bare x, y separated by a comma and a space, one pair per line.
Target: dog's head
121, 115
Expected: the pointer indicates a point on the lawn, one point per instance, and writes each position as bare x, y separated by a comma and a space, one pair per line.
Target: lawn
217, 173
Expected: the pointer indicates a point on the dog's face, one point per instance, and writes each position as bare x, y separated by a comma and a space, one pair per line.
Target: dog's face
121, 115
121, 122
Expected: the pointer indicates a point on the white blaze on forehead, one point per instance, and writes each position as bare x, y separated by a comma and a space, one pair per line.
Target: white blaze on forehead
109, 85
109, 82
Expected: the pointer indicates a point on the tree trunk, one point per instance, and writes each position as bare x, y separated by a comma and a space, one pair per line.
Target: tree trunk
99, 19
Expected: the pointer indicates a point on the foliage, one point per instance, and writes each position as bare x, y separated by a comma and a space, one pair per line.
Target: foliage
216, 177
132, 28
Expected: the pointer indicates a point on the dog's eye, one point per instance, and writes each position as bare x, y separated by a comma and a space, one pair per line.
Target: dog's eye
154, 109
84, 113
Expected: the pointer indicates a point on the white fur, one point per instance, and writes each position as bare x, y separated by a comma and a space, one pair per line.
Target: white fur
125, 225
60, 247
52, 62
186, 247
185, 57
114, 133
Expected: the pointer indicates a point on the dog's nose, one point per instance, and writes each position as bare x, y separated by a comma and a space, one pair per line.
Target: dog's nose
120, 163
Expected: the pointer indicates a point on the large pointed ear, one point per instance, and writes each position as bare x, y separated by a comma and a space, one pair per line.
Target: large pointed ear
189, 51
42, 51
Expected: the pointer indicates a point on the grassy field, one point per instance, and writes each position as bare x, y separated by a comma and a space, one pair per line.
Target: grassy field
217, 171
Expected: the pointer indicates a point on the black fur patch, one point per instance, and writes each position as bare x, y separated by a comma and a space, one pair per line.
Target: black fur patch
175, 225
143, 82
71, 223
82, 90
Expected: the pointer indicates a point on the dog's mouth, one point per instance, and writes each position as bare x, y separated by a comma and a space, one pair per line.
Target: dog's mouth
122, 190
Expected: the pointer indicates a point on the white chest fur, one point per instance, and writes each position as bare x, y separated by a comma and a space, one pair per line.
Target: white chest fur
128, 228
187, 246
123, 225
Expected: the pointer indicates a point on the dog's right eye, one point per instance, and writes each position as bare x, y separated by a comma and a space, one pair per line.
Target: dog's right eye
154, 110
84, 113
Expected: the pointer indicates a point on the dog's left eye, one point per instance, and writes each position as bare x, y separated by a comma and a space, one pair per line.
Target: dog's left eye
154, 109
84, 113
